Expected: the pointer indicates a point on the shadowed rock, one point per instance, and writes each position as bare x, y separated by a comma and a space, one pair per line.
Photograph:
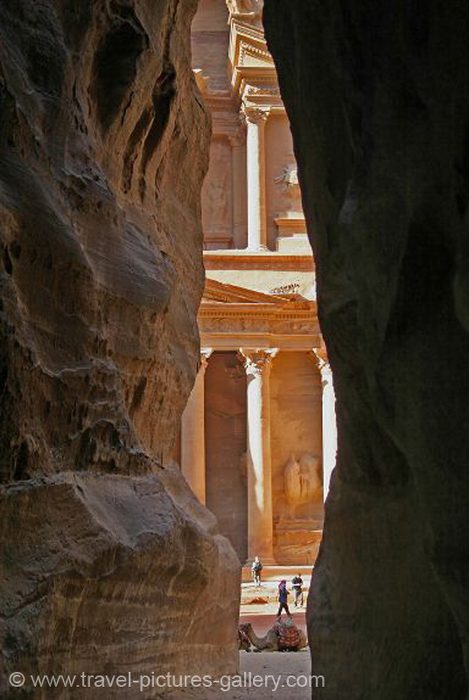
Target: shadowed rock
378, 101
101, 276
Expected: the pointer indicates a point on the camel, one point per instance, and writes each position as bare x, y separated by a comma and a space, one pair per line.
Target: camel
284, 635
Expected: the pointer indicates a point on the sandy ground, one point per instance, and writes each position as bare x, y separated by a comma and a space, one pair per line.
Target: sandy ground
262, 675
281, 676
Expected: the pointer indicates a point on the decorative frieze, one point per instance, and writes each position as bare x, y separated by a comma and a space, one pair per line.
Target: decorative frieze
252, 90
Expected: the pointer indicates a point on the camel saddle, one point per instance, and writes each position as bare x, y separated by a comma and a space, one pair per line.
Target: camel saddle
288, 635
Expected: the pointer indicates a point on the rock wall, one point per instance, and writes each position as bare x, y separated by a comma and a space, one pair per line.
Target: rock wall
105, 564
379, 106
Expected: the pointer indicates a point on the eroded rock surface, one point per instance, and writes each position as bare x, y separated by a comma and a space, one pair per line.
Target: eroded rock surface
379, 106
103, 148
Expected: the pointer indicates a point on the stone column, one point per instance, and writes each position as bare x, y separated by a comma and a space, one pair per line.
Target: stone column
193, 432
257, 364
255, 157
329, 424
238, 168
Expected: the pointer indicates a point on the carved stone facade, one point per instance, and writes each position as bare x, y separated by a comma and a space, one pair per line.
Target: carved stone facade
252, 444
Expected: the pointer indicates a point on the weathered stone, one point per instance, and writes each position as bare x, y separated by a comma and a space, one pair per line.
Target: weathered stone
101, 278
115, 575
379, 107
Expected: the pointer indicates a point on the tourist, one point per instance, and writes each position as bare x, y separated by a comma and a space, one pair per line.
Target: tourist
283, 599
256, 569
297, 585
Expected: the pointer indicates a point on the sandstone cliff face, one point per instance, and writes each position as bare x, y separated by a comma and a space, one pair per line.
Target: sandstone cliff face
103, 148
378, 100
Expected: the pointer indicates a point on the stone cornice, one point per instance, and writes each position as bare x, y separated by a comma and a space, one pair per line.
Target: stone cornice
292, 311
242, 260
242, 31
234, 338
291, 222
249, 57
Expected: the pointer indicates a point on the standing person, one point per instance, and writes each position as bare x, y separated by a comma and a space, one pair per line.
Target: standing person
283, 599
256, 569
297, 585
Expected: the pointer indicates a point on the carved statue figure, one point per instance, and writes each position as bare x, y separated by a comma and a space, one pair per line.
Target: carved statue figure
302, 480
311, 473
293, 481
288, 178
283, 636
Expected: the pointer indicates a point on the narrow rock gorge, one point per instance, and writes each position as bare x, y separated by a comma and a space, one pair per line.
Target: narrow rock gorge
108, 562
378, 99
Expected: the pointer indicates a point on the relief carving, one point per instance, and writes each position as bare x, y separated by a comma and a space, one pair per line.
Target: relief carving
290, 188
213, 325
271, 91
288, 178
302, 481
216, 203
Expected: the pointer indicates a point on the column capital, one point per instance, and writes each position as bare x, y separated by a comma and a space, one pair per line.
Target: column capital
204, 357
256, 361
253, 114
321, 360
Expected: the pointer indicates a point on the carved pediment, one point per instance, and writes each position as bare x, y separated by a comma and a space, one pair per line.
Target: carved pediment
231, 294
228, 312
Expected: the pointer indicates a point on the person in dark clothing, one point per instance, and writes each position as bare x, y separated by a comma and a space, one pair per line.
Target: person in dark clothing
297, 585
283, 598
